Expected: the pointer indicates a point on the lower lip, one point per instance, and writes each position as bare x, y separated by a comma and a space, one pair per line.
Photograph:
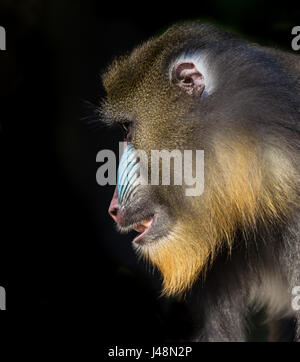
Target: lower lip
140, 236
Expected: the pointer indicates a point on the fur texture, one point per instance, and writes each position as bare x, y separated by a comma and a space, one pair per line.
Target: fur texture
249, 128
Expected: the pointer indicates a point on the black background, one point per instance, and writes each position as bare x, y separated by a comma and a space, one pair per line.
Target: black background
62, 263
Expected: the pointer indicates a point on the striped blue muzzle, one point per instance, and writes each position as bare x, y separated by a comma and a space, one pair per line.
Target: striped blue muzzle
128, 175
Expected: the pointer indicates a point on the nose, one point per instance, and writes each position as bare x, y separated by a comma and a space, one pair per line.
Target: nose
114, 208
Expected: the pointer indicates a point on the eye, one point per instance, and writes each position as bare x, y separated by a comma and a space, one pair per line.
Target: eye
127, 128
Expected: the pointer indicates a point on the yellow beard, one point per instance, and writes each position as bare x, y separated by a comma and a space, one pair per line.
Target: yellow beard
241, 189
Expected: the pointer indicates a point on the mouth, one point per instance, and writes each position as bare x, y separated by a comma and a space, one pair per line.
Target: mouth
142, 228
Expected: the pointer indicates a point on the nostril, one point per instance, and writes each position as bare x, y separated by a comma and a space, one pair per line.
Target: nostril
114, 211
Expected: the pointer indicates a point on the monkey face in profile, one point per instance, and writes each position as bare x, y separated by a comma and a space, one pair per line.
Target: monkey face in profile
199, 88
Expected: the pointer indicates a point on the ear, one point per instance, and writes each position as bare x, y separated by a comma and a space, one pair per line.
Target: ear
187, 76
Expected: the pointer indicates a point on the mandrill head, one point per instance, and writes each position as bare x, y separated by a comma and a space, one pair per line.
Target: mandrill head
197, 89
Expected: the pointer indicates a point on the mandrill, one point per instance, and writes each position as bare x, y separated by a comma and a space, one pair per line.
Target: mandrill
237, 244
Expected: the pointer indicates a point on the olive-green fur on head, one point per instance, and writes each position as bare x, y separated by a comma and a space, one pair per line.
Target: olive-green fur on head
138, 87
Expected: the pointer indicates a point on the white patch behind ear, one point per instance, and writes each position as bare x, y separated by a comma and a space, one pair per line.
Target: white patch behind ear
201, 61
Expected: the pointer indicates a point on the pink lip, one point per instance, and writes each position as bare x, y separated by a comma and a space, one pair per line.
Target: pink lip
143, 228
